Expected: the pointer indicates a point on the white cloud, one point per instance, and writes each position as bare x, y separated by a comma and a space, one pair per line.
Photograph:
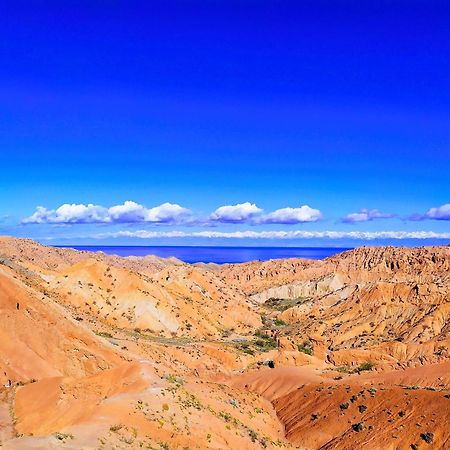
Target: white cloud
364, 215
166, 213
298, 234
80, 213
250, 213
440, 213
239, 213
68, 213
293, 215
128, 212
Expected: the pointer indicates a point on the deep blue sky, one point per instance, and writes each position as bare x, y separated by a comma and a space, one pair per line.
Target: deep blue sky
339, 105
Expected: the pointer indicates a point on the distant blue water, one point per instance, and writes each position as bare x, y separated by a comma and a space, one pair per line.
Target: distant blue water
219, 255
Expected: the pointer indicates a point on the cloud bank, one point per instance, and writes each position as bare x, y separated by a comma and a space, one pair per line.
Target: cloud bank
365, 215
169, 214
128, 212
173, 214
297, 234
250, 213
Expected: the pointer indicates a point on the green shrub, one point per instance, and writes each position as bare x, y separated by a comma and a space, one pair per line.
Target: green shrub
365, 366
264, 342
361, 368
306, 348
104, 334
282, 304
63, 436
279, 323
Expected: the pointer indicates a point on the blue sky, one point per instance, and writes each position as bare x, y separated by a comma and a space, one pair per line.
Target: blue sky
339, 110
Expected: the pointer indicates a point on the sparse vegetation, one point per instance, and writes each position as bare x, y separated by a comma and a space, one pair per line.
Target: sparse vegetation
344, 369
361, 368
279, 323
264, 342
63, 436
225, 416
306, 348
282, 304
253, 435
245, 348
104, 334
174, 379
365, 366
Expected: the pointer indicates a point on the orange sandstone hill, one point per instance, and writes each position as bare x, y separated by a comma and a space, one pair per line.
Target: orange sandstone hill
103, 352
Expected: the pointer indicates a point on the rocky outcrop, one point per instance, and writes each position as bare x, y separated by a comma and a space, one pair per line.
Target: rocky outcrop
302, 289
